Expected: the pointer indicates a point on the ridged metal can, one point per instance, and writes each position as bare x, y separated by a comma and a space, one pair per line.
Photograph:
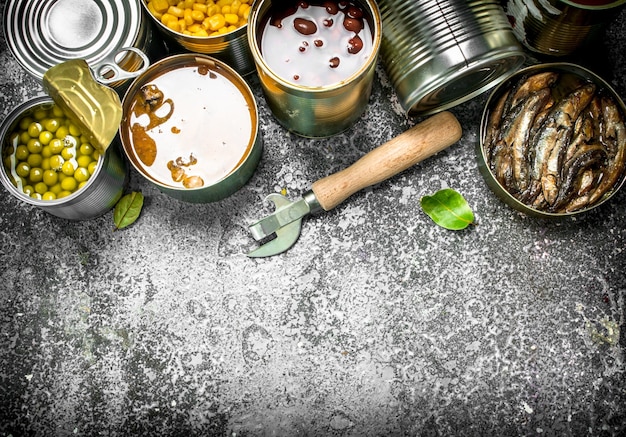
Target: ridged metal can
102, 191
560, 27
320, 110
440, 53
41, 34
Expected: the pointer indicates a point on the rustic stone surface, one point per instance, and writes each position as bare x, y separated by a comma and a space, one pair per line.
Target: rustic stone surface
377, 322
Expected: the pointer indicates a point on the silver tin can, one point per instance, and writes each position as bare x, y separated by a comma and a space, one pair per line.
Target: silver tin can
231, 48
440, 53
315, 111
102, 191
191, 117
560, 27
41, 34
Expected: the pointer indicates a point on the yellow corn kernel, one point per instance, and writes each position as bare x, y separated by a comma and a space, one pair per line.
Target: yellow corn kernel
195, 28
187, 17
186, 32
172, 2
176, 11
201, 32
165, 18
189, 4
173, 24
225, 10
234, 7
197, 15
153, 11
245, 13
224, 2
159, 5
231, 18
231, 28
212, 10
216, 21
199, 7
222, 30
182, 24
202, 2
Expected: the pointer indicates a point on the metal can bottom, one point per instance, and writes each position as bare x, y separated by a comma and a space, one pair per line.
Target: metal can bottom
448, 84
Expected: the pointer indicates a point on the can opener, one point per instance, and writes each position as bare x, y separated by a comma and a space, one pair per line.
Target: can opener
407, 149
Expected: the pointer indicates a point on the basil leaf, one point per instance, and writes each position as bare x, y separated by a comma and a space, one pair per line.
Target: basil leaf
127, 209
448, 209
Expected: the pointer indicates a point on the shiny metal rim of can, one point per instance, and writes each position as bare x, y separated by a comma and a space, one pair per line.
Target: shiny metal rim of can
257, 14
483, 166
41, 34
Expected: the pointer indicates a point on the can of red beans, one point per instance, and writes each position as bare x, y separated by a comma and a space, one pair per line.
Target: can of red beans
316, 61
114, 37
440, 53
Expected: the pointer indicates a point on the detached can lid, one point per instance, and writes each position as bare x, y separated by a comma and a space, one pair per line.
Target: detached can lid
42, 34
95, 108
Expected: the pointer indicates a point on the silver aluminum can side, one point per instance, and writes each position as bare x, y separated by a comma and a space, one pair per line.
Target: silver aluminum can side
560, 27
102, 191
440, 53
41, 34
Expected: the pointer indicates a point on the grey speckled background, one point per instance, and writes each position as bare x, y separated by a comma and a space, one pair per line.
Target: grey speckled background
377, 322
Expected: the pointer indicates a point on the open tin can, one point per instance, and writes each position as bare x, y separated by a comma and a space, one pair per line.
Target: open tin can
190, 127
315, 109
553, 140
111, 36
83, 116
440, 53
230, 47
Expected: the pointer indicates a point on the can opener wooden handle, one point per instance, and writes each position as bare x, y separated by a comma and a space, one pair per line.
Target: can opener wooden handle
407, 149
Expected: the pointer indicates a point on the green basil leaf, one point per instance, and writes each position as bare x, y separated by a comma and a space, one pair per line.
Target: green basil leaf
127, 209
448, 209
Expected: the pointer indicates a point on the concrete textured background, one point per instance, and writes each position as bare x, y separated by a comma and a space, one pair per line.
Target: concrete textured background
377, 322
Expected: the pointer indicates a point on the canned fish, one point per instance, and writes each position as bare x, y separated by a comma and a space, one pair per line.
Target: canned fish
559, 27
41, 34
316, 61
440, 53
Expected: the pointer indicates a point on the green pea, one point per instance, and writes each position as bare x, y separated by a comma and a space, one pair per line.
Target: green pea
35, 175
21, 152
34, 159
45, 137
25, 122
50, 177
41, 187
22, 169
68, 168
34, 129
81, 174
69, 184
56, 146
56, 162
51, 124
34, 145
48, 195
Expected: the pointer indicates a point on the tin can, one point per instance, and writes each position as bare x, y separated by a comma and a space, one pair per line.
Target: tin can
190, 127
570, 76
315, 111
560, 27
440, 53
41, 34
231, 47
102, 191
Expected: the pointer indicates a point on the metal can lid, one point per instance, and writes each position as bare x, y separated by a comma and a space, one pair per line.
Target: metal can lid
42, 34
95, 108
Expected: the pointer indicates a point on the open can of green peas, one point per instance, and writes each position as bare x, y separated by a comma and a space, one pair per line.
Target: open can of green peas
50, 161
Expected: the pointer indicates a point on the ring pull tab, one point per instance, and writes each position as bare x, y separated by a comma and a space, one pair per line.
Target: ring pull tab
109, 70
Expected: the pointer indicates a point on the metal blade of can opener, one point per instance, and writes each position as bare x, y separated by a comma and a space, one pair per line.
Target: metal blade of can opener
407, 149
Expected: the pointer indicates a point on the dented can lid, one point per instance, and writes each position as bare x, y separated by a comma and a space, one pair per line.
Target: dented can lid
41, 34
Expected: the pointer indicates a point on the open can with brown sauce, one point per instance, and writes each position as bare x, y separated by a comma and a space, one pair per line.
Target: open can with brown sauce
190, 126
